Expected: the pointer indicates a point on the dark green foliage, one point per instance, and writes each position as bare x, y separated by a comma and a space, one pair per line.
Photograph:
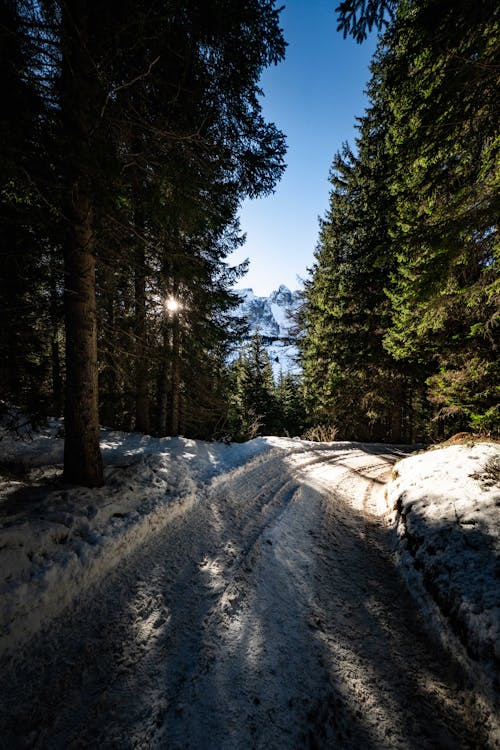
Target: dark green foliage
401, 313
441, 85
358, 17
150, 114
30, 273
291, 407
351, 381
253, 404
258, 405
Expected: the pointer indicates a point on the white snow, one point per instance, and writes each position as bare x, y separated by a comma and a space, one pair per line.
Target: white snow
283, 359
265, 614
271, 318
281, 316
446, 510
54, 544
444, 505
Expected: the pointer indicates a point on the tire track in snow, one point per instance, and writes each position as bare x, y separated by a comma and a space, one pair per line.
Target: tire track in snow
268, 616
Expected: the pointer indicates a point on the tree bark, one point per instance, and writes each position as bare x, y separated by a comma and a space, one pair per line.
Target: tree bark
55, 320
82, 456
141, 367
175, 376
164, 383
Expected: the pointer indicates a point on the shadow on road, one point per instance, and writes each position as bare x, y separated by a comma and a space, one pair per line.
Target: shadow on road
270, 616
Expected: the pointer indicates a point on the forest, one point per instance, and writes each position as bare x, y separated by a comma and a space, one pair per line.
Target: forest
401, 311
130, 134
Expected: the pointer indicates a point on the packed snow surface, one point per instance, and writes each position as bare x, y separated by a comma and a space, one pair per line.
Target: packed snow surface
222, 597
54, 544
446, 505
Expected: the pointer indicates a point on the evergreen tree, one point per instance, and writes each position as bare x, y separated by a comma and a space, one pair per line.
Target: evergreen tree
243, 422
290, 405
405, 286
358, 17
157, 136
441, 85
80, 97
260, 387
30, 272
351, 382
255, 405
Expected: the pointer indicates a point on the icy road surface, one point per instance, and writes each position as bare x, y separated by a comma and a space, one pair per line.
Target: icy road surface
267, 615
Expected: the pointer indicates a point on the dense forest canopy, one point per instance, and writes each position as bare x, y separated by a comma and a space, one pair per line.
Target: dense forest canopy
401, 311
131, 133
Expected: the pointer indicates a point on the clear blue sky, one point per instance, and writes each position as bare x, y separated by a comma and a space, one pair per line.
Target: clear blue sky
313, 96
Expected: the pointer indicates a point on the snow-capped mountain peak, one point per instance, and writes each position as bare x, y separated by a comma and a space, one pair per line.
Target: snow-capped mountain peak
271, 318
269, 315
282, 297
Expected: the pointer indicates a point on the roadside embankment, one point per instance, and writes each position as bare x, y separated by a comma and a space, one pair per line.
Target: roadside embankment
445, 507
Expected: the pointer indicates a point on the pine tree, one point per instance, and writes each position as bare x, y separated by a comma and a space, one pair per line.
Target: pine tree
351, 382
261, 387
242, 421
255, 406
30, 273
441, 85
290, 405
357, 18
156, 136
404, 291
79, 99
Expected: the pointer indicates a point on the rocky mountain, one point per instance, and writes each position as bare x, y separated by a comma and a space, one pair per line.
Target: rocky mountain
270, 316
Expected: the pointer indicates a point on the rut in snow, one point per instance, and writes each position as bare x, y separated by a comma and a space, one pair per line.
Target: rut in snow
268, 615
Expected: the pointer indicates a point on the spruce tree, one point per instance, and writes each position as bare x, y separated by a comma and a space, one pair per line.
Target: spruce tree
443, 137
351, 382
30, 270
157, 137
401, 312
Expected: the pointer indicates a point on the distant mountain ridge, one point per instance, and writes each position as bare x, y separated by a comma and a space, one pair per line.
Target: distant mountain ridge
270, 316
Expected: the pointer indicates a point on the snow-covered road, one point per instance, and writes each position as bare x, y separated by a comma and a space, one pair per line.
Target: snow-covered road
267, 615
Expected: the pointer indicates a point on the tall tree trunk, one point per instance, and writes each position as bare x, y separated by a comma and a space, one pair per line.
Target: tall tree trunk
55, 322
141, 366
164, 383
82, 456
176, 379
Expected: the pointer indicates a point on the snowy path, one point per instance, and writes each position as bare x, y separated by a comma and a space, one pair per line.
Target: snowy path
268, 615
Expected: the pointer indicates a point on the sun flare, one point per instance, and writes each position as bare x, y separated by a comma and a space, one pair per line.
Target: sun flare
173, 305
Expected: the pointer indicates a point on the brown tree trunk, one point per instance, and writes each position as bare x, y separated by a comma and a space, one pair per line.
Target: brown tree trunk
175, 376
141, 367
82, 456
55, 321
164, 383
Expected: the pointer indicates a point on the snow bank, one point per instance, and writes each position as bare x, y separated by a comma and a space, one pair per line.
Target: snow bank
55, 541
446, 510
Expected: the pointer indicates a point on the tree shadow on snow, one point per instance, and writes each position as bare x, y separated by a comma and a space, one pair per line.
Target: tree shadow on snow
242, 632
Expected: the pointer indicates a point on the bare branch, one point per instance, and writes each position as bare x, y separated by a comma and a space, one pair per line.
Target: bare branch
127, 85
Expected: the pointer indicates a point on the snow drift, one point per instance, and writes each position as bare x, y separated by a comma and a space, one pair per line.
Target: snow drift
56, 542
446, 511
